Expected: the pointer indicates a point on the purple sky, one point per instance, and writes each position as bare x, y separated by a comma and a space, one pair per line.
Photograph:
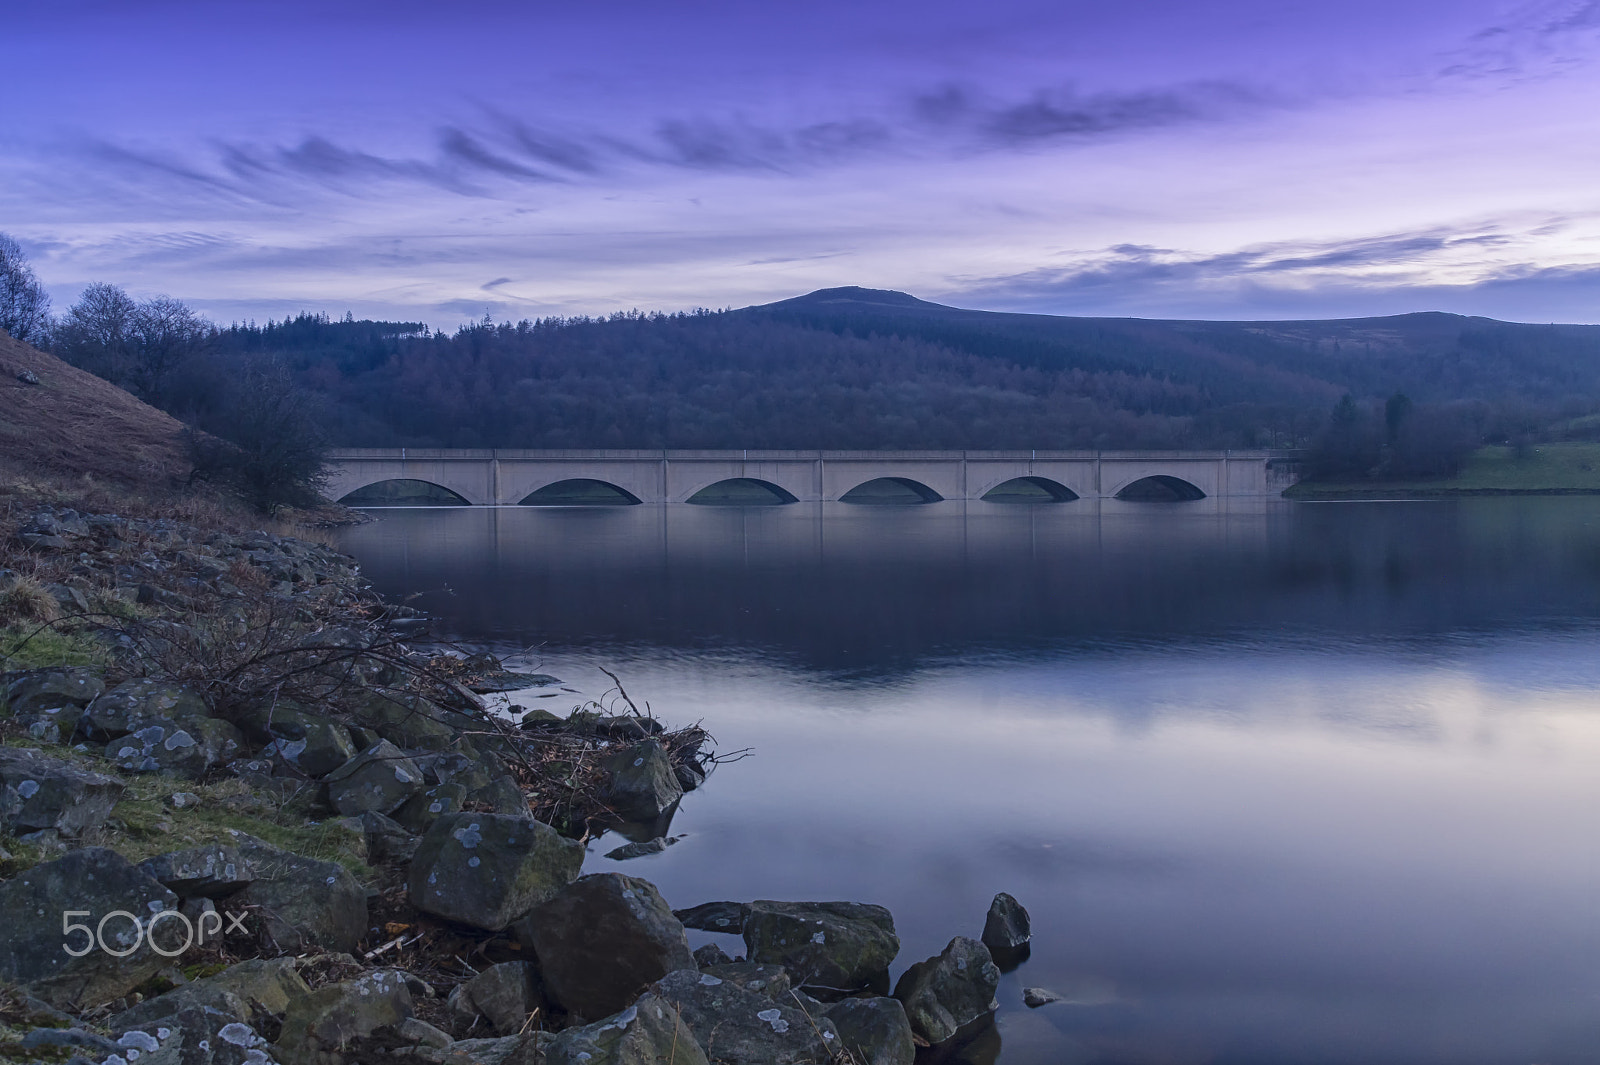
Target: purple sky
1164, 158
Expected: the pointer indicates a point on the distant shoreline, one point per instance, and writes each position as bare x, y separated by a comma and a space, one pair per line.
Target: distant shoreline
1559, 469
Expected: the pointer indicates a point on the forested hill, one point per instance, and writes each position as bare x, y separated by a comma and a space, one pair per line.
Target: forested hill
866, 368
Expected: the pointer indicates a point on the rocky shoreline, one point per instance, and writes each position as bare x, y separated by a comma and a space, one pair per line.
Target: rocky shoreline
243, 819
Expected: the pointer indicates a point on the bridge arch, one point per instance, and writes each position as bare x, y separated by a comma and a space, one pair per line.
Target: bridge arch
742, 492
1030, 489
1160, 488
403, 492
891, 491
579, 492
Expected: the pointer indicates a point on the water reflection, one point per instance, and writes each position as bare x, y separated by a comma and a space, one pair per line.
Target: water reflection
1279, 784
839, 586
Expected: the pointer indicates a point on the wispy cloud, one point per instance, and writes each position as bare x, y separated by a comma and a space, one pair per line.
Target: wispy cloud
1063, 114
500, 153
1472, 270
1533, 40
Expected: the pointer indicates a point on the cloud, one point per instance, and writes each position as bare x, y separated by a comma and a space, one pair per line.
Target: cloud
1536, 39
1390, 273
1064, 114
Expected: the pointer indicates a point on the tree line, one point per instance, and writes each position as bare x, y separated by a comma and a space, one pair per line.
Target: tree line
269, 399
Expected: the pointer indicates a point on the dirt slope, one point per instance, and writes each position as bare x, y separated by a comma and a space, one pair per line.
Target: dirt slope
73, 423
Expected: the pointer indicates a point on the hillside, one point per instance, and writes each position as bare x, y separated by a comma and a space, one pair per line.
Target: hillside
72, 423
1431, 356
866, 368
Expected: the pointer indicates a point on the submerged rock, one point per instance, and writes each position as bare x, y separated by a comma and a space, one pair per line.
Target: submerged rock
836, 947
1007, 928
487, 870
601, 940
715, 916
945, 994
641, 850
642, 785
1034, 997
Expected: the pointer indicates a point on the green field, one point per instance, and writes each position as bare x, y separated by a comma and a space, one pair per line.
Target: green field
1548, 469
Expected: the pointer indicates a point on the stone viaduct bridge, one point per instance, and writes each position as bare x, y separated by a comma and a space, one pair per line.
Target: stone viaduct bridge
412, 476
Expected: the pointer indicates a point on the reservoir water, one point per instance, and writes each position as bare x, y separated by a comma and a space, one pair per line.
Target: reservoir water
1279, 782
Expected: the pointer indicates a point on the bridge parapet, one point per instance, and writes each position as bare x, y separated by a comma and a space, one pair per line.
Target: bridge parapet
507, 476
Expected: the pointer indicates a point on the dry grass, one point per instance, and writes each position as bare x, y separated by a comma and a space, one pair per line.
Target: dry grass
72, 423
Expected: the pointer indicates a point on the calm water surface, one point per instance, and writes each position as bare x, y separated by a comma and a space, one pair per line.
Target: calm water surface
1279, 783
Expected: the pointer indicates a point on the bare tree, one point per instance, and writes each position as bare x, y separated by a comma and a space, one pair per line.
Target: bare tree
167, 334
96, 334
24, 304
138, 346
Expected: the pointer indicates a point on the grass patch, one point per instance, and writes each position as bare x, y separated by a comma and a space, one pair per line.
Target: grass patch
1549, 469
26, 646
144, 823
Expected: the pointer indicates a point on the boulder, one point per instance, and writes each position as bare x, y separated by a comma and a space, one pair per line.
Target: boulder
407, 719
71, 600
199, 1035
649, 1032
715, 916
874, 1030
735, 1025
833, 947
211, 872
769, 980
945, 994
641, 850
505, 993
317, 1026
387, 842
40, 792
482, 773
74, 1038
1007, 928
133, 703
528, 1049
302, 903
641, 785
54, 694
487, 870
1034, 997
419, 812
418, 1032
32, 945
601, 940
711, 954
311, 742
164, 745
379, 779
250, 991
